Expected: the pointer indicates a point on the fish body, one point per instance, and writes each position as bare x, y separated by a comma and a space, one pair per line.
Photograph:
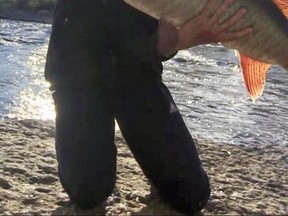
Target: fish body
267, 45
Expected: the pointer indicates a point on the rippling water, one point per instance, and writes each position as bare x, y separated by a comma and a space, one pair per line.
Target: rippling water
23, 90
205, 81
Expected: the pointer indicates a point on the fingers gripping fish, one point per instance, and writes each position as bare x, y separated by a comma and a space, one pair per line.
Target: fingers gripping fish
267, 45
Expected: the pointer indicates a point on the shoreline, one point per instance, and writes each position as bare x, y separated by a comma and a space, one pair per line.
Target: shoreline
45, 17
244, 179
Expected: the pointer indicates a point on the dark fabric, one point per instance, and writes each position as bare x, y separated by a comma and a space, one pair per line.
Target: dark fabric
92, 33
162, 145
78, 35
102, 63
85, 147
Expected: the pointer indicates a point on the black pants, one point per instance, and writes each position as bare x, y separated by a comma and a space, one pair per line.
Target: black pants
87, 101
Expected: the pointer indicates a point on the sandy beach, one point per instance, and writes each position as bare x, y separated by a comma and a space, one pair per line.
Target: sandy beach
245, 180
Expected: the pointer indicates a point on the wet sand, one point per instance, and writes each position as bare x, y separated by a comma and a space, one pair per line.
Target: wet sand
244, 180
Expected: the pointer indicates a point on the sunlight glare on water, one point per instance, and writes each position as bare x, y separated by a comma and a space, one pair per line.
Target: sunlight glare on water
24, 92
35, 101
206, 83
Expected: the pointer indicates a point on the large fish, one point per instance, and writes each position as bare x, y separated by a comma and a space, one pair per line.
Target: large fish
267, 45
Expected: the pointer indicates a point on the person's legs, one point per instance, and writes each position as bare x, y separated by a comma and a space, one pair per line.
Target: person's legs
85, 147
162, 145
152, 127
79, 68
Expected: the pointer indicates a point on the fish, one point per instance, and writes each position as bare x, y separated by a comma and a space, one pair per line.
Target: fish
267, 45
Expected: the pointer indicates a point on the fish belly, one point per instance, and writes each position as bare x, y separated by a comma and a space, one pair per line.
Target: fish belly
268, 41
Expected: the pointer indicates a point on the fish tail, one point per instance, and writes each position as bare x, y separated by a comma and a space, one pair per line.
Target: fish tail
254, 74
283, 6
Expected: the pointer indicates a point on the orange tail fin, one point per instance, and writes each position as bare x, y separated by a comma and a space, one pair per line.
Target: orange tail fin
283, 5
254, 74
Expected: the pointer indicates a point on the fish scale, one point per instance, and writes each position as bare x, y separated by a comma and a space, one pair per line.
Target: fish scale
267, 45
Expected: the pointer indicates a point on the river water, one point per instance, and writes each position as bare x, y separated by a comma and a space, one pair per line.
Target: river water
205, 81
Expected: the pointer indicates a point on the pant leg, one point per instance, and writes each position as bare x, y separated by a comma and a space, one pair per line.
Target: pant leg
162, 145
79, 68
85, 147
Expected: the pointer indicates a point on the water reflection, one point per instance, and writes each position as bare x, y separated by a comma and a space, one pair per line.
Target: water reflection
205, 81
23, 91
209, 89
34, 101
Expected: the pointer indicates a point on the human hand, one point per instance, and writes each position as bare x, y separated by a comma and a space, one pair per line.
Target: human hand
206, 28
203, 29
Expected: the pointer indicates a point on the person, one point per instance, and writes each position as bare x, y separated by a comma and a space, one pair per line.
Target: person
104, 62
